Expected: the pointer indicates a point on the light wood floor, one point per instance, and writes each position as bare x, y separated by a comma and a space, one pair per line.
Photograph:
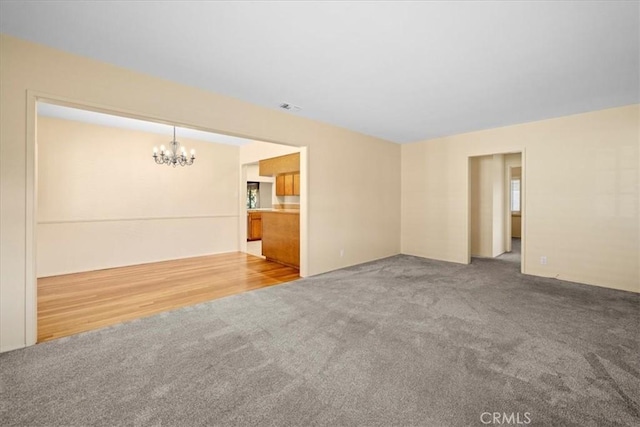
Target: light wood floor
75, 303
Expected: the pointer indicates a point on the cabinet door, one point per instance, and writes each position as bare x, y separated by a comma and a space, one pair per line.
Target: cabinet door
280, 185
256, 228
281, 238
288, 184
296, 184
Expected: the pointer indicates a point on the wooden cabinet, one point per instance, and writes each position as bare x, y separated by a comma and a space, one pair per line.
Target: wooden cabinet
296, 184
286, 169
254, 226
280, 185
281, 237
288, 184
280, 165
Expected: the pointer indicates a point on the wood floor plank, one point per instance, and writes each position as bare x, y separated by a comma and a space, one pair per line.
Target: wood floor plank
73, 303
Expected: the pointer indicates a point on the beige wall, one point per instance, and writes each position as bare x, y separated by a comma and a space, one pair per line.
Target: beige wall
487, 218
340, 187
499, 219
580, 194
253, 174
481, 199
103, 202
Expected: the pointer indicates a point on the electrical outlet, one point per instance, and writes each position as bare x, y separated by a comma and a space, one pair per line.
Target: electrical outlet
543, 260
341, 253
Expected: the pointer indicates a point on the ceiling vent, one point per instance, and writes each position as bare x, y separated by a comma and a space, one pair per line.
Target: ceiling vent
290, 107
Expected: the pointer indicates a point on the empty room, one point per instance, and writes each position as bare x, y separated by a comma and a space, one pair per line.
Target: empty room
394, 213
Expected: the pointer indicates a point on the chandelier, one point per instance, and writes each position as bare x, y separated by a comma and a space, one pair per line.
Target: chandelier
174, 155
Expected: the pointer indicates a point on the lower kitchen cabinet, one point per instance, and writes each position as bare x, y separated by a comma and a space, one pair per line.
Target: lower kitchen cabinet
281, 237
254, 225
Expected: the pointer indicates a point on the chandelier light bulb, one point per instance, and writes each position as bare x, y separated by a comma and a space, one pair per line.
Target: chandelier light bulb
162, 148
155, 150
193, 153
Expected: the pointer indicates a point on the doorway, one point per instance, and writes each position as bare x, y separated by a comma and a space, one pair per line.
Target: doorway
259, 199
513, 186
46, 220
496, 207
270, 199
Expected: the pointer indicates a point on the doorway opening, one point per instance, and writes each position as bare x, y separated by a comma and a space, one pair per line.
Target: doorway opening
259, 199
104, 214
513, 187
274, 176
496, 207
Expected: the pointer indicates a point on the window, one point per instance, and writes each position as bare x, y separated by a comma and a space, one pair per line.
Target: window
253, 195
515, 195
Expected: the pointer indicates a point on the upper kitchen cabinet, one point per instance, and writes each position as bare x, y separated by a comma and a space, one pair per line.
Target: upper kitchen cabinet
275, 166
286, 169
280, 185
288, 184
296, 184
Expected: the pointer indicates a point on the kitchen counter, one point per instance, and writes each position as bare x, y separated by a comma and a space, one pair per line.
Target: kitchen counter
289, 211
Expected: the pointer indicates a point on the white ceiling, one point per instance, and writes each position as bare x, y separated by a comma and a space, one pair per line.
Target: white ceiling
67, 113
402, 71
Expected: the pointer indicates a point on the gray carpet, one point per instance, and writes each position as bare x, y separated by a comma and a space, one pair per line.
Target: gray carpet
400, 341
514, 255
